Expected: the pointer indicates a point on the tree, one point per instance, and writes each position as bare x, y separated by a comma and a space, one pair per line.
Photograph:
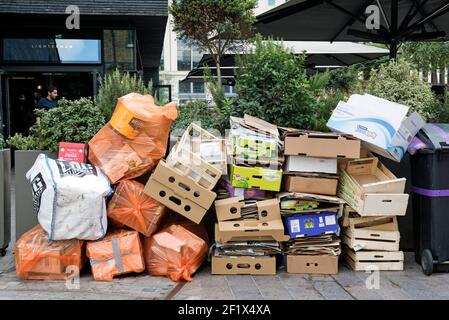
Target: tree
397, 81
272, 84
214, 26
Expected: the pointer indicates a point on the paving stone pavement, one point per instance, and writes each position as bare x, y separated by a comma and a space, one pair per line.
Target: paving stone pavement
346, 285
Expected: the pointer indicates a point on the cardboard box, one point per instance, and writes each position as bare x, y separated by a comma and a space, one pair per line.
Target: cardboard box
309, 225
366, 260
323, 203
247, 230
255, 177
371, 176
374, 204
310, 164
179, 193
243, 265
312, 264
246, 193
379, 233
74, 152
310, 184
230, 209
320, 144
382, 124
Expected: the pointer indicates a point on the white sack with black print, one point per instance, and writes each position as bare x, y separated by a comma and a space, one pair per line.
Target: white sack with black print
69, 198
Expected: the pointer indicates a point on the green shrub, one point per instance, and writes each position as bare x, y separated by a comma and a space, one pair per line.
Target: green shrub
342, 78
209, 117
72, 121
115, 85
272, 84
399, 82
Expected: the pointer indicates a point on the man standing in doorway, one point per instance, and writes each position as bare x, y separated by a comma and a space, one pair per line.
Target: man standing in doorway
50, 100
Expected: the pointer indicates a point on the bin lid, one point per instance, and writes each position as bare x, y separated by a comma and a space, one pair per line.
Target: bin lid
435, 136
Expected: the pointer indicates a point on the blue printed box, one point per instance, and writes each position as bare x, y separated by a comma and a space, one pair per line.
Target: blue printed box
309, 225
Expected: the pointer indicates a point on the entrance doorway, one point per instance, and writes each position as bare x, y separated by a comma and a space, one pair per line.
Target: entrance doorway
23, 91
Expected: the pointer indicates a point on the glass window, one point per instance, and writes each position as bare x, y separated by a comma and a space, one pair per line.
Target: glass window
119, 49
197, 87
184, 56
184, 87
271, 3
188, 57
52, 51
191, 90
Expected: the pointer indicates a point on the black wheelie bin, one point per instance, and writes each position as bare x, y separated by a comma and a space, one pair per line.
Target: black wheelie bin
430, 198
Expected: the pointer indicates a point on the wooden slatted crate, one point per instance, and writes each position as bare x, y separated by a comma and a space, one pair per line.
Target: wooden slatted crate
369, 260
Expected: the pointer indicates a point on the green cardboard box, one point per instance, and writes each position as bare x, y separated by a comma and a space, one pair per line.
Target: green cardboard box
255, 177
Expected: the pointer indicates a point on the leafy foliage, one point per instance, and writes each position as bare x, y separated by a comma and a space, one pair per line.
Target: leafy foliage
115, 85
202, 112
272, 84
427, 55
2, 141
399, 82
72, 121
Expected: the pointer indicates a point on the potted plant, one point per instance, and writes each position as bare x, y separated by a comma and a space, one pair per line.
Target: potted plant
72, 121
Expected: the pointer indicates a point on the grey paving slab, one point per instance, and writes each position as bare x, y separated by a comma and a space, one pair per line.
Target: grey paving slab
332, 290
205, 286
272, 288
243, 287
304, 292
354, 285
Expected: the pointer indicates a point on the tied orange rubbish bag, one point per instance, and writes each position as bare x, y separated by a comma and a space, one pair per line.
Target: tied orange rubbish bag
38, 259
131, 207
135, 138
174, 252
119, 252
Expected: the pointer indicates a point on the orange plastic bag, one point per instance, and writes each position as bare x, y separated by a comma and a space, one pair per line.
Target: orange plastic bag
119, 252
39, 259
135, 138
174, 252
131, 207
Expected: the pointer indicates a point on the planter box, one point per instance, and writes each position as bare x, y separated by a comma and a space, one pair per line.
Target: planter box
25, 217
5, 200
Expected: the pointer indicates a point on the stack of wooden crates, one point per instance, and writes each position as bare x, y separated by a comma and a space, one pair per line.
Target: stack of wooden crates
369, 225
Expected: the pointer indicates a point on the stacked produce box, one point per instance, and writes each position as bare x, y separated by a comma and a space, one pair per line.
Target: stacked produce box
249, 227
311, 209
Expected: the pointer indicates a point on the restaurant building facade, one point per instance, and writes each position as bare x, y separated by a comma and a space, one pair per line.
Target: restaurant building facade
69, 44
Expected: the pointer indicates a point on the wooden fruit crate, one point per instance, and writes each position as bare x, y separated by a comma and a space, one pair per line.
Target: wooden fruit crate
370, 233
192, 166
368, 260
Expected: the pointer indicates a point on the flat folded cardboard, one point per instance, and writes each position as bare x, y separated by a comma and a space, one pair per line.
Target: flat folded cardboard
230, 209
380, 233
246, 193
312, 264
248, 265
74, 152
310, 164
382, 124
309, 225
255, 177
179, 193
320, 144
369, 175
326, 203
309, 184
246, 230
381, 260
374, 204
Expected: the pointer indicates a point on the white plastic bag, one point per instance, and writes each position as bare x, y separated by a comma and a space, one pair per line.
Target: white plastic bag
69, 198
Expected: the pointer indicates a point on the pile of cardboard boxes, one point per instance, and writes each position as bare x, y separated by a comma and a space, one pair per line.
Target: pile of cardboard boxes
281, 196
370, 229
